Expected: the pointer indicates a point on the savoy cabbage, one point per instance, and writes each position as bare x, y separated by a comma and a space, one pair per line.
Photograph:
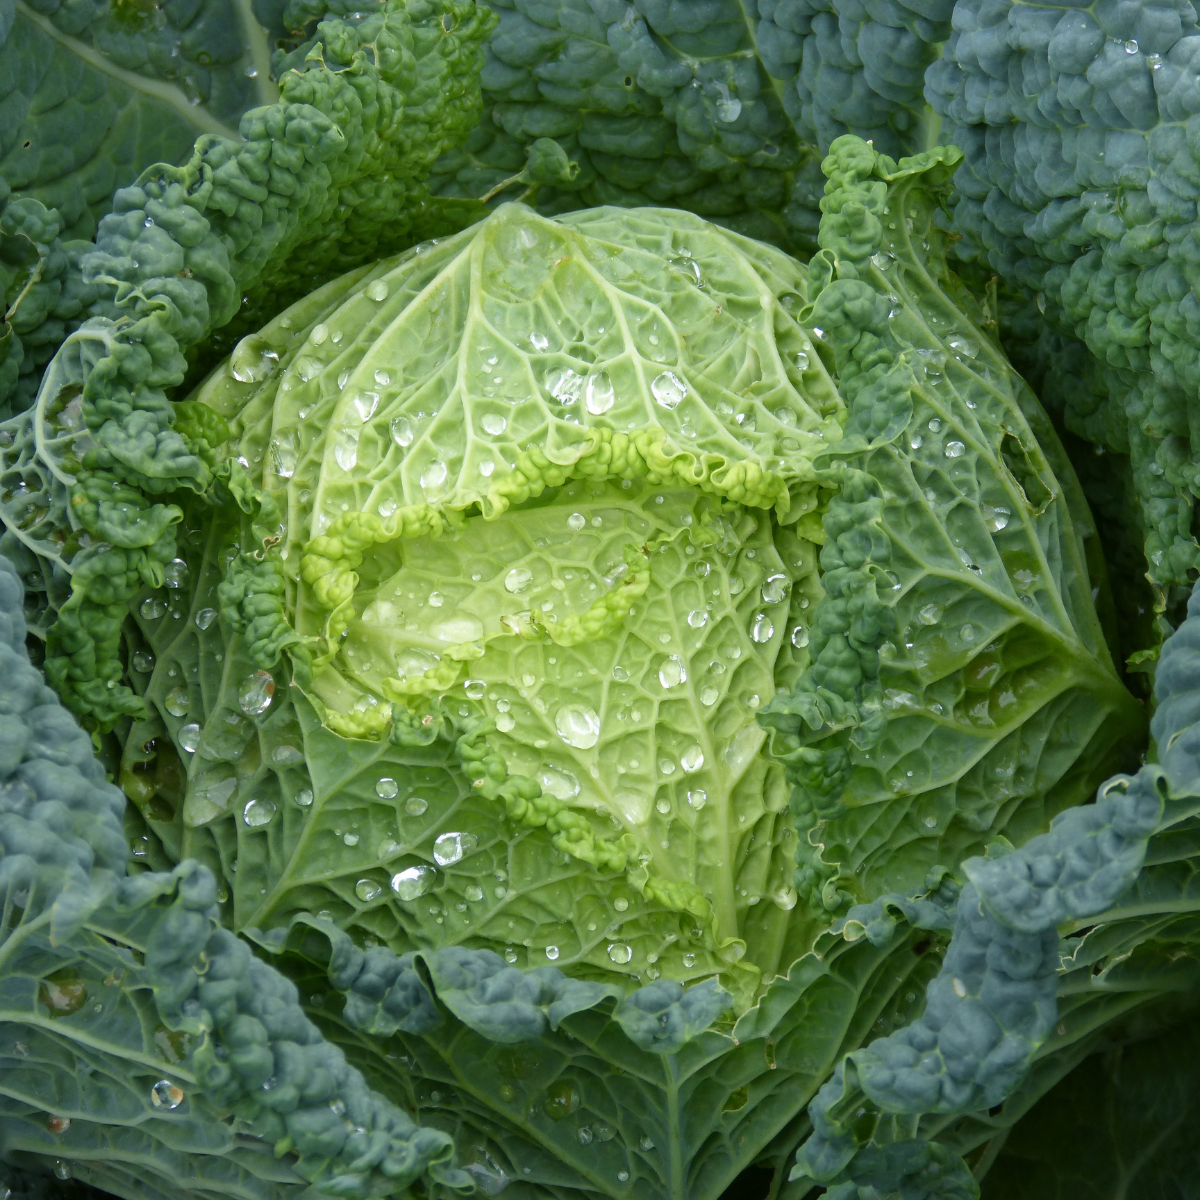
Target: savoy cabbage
577, 681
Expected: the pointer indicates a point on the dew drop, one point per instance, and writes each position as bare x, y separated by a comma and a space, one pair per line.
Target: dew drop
377, 290
799, 637
386, 789
165, 1094
254, 696
996, 518
692, 759
152, 608
494, 424
538, 341
620, 953
434, 476
801, 359
304, 797
697, 798
449, 848
955, 449
142, 661
518, 579
931, 614
689, 960
175, 573
697, 618
673, 672
188, 737
382, 377
762, 629
774, 589
668, 389
368, 890
1131, 46
709, 696
576, 521
345, 448
506, 722
414, 882
598, 395
402, 432
258, 813
578, 726
552, 953
204, 618
559, 782
415, 806
176, 702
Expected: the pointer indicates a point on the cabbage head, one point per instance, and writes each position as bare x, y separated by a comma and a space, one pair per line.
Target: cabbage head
546, 543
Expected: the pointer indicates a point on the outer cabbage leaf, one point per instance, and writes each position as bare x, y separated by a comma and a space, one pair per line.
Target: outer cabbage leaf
138, 1034
1117, 1126
469, 691
960, 686
320, 177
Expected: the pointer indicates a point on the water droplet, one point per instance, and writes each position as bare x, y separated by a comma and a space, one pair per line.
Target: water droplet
164, 1094
365, 404
931, 614
254, 696
175, 573
578, 726
304, 797
434, 476
565, 385
916, 441
451, 847
473, 892
576, 521
436, 600
176, 702
62, 1169
152, 608
386, 789
552, 953
774, 589
383, 377
585, 1135
505, 722
689, 960
494, 424
204, 618
623, 1175
620, 953
935, 425
668, 389
345, 448
518, 578
799, 637
996, 519
967, 633
559, 782
697, 618
1131, 46
415, 806
666, 766
673, 672
762, 629
413, 882
692, 759
697, 798
882, 260
538, 341
189, 737
252, 361
258, 813
402, 432
377, 289
142, 661
955, 449
368, 890
709, 696
598, 395
619, 673
729, 108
